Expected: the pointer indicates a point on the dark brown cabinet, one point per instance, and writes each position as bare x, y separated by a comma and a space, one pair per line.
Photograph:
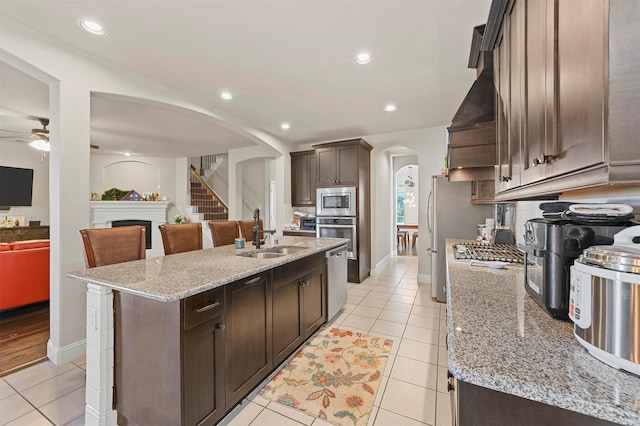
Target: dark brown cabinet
169, 359
567, 115
303, 178
197, 357
337, 165
204, 372
482, 191
475, 405
249, 345
299, 304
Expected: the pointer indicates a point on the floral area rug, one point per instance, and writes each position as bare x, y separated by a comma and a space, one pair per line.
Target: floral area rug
334, 376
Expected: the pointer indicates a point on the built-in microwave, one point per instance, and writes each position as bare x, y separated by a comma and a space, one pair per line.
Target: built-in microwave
336, 201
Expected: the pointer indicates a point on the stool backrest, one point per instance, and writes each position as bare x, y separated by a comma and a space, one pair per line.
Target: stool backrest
106, 246
246, 227
180, 238
223, 232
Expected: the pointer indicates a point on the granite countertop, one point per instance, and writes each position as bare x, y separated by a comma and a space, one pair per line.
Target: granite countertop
181, 275
500, 338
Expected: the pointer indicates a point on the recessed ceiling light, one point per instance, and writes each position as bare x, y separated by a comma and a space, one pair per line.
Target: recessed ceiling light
285, 126
390, 108
127, 154
92, 27
363, 58
227, 96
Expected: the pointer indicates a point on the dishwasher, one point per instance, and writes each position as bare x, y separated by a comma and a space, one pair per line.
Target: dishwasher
336, 280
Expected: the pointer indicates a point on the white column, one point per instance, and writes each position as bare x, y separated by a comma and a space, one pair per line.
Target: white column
100, 336
69, 194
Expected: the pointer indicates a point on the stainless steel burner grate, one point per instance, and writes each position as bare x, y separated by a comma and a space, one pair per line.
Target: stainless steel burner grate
491, 252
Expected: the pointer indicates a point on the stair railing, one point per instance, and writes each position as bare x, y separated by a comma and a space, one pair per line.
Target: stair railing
195, 177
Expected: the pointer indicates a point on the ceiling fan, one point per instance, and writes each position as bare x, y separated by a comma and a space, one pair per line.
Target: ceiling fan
39, 138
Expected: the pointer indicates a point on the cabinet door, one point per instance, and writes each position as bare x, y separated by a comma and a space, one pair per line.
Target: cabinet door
501, 70
249, 345
287, 318
203, 369
516, 89
539, 88
581, 80
313, 302
326, 166
303, 179
347, 162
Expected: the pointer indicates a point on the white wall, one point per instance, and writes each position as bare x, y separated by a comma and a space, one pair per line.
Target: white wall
429, 144
143, 174
20, 154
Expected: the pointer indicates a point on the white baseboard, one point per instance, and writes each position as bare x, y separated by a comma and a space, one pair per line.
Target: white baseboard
378, 265
63, 354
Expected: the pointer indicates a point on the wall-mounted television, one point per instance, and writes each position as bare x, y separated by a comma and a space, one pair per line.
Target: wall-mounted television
16, 186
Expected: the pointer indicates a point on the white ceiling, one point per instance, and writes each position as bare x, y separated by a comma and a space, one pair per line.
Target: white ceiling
287, 61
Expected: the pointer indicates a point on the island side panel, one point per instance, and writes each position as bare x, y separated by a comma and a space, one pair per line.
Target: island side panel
147, 361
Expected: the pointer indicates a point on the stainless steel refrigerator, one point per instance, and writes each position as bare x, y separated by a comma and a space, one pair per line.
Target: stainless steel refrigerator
450, 214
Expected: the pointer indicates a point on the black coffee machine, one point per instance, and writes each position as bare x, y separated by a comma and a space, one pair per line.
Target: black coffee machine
551, 247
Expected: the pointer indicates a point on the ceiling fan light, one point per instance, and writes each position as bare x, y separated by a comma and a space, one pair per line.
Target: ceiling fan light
92, 27
40, 145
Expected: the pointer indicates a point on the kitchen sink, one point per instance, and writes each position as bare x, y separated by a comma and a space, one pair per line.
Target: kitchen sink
260, 254
286, 249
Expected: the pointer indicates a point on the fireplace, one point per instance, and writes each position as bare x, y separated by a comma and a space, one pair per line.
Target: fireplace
145, 223
151, 214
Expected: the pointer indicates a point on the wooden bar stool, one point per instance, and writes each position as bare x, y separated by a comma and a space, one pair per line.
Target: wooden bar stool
414, 239
106, 246
246, 228
180, 238
223, 232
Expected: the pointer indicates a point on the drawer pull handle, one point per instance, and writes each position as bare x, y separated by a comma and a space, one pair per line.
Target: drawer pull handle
303, 283
208, 307
253, 281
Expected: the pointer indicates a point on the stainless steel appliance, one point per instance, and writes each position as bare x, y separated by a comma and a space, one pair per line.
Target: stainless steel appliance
336, 201
605, 301
336, 280
308, 223
497, 252
450, 214
551, 246
339, 227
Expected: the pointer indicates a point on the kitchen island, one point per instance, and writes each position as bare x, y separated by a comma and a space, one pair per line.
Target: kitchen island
181, 339
512, 364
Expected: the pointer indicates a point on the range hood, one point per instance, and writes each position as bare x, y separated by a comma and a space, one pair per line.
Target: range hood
472, 134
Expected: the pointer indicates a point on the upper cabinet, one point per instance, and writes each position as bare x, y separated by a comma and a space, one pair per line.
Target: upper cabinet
303, 178
568, 94
337, 165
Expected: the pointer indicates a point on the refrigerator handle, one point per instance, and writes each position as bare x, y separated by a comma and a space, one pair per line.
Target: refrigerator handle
428, 211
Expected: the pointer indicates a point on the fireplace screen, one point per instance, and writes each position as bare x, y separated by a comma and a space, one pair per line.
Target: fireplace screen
145, 223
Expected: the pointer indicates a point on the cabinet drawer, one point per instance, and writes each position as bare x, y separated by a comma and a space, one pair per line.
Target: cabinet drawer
202, 307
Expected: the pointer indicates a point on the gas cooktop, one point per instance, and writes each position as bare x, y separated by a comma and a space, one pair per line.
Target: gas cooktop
488, 252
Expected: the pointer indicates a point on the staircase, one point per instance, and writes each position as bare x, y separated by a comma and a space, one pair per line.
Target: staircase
204, 202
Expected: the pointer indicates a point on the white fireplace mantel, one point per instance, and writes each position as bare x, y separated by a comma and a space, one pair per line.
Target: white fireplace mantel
103, 213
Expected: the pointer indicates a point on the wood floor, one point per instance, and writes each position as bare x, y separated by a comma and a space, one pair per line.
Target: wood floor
24, 333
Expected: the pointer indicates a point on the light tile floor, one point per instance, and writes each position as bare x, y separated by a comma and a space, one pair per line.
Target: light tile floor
413, 390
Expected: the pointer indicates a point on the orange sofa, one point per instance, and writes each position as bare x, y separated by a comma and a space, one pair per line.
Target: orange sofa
24, 273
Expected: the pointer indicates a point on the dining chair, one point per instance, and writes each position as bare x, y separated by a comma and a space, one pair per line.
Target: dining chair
246, 228
180, 238
106, 246
223, 232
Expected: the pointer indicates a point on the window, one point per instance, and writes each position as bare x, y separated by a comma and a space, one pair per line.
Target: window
400, 204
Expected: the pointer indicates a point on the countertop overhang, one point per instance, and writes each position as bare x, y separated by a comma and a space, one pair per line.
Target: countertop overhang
500, 338
181, 275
